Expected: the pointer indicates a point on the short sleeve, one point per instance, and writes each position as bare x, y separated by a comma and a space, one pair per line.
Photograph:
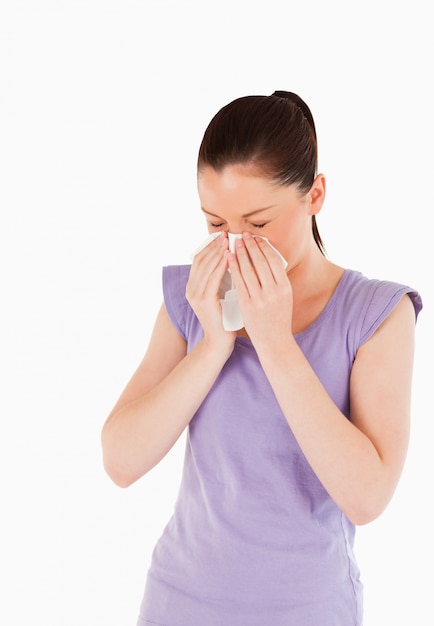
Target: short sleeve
174, 283
383, 297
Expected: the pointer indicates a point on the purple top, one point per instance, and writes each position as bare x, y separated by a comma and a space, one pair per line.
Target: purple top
255, 539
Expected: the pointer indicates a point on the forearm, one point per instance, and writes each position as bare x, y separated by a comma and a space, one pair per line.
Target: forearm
344, 459
140, 433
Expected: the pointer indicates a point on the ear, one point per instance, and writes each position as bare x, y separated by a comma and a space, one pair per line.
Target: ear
316, 194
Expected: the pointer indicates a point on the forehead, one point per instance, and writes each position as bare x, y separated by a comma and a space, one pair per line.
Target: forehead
240, 187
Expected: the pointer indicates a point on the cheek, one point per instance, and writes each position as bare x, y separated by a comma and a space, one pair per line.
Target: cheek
287, 238
281, 241
281, 233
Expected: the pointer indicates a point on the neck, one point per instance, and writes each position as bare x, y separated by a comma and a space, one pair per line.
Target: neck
310, 273
313, 282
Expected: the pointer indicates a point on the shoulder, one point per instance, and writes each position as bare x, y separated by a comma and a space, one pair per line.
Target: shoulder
371, 300
175, 276
175, 279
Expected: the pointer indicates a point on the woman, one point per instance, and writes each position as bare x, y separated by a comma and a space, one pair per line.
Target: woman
298, 422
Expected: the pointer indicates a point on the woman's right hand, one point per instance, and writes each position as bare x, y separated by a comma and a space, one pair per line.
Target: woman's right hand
171, 382
202, 291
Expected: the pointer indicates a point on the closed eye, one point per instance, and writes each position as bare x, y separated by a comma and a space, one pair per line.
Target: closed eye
254, 225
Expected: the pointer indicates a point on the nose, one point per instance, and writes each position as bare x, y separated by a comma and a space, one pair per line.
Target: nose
236, 225
232, 237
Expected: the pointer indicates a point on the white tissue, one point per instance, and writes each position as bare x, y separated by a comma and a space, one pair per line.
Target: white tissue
231, 314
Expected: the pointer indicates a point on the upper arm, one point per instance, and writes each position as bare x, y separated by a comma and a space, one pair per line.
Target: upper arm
380, 387
165, 350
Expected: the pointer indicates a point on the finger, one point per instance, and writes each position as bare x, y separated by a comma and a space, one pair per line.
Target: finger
208, 248
249, 262
206, 261
207, 241
259, 259
217, 274
275, 261
237, 275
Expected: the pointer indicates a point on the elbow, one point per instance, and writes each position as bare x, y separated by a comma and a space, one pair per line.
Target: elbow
367, 501
125, 462
116, 464
364, 511
119, 475
361, 518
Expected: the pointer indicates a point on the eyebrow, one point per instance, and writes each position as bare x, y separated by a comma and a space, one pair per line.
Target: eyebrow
265, 208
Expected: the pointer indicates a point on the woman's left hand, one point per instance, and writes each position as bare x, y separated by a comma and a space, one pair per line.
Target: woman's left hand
264, 290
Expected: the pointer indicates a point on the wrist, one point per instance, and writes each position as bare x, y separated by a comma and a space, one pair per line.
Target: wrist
220, 345
278, 349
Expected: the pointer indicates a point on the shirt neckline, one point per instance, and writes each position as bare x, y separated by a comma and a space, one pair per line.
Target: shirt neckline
325, 313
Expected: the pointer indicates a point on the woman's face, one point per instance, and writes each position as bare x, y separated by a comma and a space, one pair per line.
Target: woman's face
237, 200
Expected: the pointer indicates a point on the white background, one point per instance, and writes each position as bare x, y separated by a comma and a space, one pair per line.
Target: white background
103, 105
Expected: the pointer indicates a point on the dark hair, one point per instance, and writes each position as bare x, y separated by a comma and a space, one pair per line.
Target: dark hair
275, 133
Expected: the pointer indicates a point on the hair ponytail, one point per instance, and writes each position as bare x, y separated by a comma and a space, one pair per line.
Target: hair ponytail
289, 95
